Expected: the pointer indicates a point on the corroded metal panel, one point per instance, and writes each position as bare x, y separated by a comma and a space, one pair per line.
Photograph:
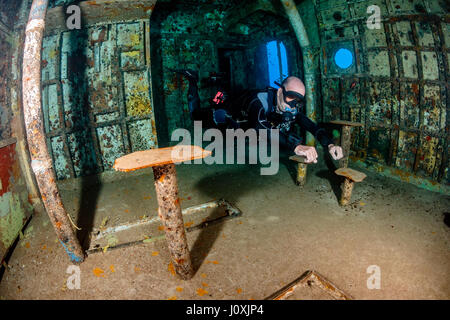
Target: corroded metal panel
407, 149
434, 117
82, 153
360, 8
98, 11
60, 162
429, 158
406, 72
137, 94
51, 107
336, 14
379, 63
50, 52
331, 95
430, 65
97, 100
409, 60
375, 38
406, 6
425, 34
410, 106
140, 131
379, 144
405, 34
446, 33
100, 59
111, 144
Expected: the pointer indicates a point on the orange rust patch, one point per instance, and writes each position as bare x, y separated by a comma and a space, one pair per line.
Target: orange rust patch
111, 267
161, 179
415, 88
156, 253
179, 289
172, 298
161, 228
27, 245
201, 292
58, 225
239, 290
188, 224
171, 268
99, 273
205, 284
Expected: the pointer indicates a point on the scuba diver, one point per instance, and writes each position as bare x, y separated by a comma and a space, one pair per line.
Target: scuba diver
263, 109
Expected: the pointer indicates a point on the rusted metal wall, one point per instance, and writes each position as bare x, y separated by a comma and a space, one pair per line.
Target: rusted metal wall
15, 208
397, 86
97, 98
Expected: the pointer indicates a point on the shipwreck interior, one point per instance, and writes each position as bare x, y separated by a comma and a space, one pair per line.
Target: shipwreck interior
93, 95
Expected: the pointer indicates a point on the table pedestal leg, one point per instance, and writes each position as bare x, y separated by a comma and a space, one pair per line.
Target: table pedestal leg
170, 214
346, 140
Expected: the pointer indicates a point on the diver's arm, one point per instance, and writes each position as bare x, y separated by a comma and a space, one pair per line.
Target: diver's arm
335, 151
315, 130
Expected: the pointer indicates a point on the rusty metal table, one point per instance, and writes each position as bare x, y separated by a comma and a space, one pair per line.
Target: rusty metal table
163, 163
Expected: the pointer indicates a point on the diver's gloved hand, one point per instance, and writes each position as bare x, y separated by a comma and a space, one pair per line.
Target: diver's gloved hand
336, 152
309, 152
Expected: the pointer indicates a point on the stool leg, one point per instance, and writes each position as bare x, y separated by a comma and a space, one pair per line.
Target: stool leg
170, 214
347, 188
301, 174
345, 144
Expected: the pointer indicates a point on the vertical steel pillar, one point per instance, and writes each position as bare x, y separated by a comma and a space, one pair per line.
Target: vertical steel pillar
41, 161
308, 61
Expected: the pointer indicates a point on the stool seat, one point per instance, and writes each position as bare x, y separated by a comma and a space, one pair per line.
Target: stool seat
351, 174
347, 123
298, 159
159, 157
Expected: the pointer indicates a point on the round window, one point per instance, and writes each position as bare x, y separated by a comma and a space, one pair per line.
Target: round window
343, 58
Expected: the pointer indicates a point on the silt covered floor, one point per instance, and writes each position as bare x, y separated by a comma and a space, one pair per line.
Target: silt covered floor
284, 231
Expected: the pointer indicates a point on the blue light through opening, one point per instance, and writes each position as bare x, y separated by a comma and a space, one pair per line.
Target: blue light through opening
343, 58
278, 62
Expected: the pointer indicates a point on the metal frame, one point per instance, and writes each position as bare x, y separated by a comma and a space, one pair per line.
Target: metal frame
97, 234
310, 278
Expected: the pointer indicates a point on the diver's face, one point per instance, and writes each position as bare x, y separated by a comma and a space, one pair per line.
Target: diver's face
287, 103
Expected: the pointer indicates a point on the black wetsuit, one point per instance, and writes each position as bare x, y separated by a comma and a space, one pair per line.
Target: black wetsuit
259, 107
262, 114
